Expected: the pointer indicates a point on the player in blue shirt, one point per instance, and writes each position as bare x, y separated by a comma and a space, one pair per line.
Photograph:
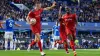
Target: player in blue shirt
56, 35
9, 31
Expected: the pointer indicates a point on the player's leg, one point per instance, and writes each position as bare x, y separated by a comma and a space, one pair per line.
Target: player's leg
52, 45
15, 41
42, 42
64, 39
57, 42
57, 45
37, 36
72, 44
66, 46
11, 40
32, 43
6, 40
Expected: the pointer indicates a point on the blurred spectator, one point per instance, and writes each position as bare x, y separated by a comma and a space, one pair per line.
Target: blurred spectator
86, 11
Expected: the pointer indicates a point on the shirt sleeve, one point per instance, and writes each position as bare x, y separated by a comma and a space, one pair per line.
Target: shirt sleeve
75, 16
31, 14
41, 10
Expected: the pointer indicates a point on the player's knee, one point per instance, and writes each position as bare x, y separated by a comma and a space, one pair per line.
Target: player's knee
35, 40
38, 39
65, 42
70, 37
37, 36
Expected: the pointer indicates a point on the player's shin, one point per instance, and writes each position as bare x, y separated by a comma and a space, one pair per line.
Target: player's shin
14, 46
6, 44
32, 43
66, 46
40, 45
53, 43
11, 44
72, 44
57, 45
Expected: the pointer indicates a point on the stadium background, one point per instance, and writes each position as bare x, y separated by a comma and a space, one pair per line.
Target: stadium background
88, 28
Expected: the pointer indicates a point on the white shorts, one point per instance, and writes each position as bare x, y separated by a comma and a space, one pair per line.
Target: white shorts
56, 37
8, 35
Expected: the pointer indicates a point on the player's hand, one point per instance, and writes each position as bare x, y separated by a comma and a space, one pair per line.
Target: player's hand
63, 23
54, 4
60, 7
32, 23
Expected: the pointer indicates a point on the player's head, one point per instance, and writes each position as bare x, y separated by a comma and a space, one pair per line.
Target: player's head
8, 16
68, 10
38, 5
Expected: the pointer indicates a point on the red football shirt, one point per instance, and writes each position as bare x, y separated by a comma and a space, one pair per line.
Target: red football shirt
70, 21
62, 27
37, 15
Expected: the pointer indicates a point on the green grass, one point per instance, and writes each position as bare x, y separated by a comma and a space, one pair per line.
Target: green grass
80, 52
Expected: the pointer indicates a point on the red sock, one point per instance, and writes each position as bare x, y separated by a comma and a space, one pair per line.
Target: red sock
72, 45
66, 47
40, 46
32, 43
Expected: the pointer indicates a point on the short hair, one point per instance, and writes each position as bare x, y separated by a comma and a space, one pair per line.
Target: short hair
68, 8
8, 15
37, 3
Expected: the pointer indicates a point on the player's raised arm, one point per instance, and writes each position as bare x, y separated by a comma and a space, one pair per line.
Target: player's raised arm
48, 8
17, 25
27, 19
60, 12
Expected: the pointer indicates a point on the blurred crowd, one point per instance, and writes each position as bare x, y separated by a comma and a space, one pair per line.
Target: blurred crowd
89, 44
89, 35
86, 11
89, 12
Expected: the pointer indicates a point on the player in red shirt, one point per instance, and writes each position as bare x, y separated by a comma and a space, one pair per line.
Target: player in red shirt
36, 28
62, 31
70, 22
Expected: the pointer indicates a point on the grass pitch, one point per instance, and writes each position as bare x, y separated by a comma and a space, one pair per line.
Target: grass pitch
61, 52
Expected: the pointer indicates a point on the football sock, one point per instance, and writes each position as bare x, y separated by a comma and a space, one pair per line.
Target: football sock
11, 44
66, 47
6, 44
14, 46
72, 45
40, 46
32, 43
53, 44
